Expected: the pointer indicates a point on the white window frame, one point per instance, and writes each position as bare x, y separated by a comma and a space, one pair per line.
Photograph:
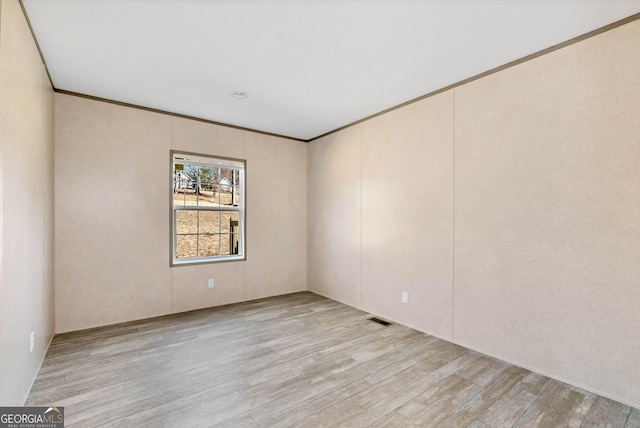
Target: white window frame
211, 161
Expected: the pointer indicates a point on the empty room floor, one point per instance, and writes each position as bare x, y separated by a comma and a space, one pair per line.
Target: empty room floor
298, 360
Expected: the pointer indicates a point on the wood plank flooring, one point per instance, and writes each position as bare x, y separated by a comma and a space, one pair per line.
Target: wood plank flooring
298, 361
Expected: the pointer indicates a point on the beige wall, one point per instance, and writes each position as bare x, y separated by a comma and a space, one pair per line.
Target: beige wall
334, 215
542, 160
26, 171
548, 214
113, 218
407, 209
370, 236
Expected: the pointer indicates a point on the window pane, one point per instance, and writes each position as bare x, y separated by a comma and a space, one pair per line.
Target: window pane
186, 246
207, 198
185, 186
215, 195
229, 243
205, 189
226, 186
209, 221
206, 177
190, 198
178, 198
179, 185
186, 221
236, 189
209, 245
229, 221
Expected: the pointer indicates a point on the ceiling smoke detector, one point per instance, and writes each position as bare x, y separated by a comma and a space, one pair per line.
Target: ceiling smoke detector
240, 95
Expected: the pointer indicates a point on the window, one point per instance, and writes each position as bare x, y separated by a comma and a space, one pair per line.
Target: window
207, 208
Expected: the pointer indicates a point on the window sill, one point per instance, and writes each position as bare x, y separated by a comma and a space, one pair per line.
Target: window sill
192, 262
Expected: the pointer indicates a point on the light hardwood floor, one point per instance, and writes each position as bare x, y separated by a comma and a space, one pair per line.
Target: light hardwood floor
298, 361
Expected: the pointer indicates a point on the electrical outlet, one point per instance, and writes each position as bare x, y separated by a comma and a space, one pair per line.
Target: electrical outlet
211, 283
405, 297
32, 341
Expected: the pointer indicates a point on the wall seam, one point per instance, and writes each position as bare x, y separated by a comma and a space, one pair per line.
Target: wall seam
246, 241
308, 160
52, 135
453, 224
44, 220
361, 208
173, 122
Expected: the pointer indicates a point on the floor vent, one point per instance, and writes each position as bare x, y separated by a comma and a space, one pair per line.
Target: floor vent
379, 321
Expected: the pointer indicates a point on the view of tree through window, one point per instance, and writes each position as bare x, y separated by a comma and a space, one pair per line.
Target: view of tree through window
208, 208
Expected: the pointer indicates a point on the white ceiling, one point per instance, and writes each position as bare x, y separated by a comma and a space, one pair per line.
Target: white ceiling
309, 66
